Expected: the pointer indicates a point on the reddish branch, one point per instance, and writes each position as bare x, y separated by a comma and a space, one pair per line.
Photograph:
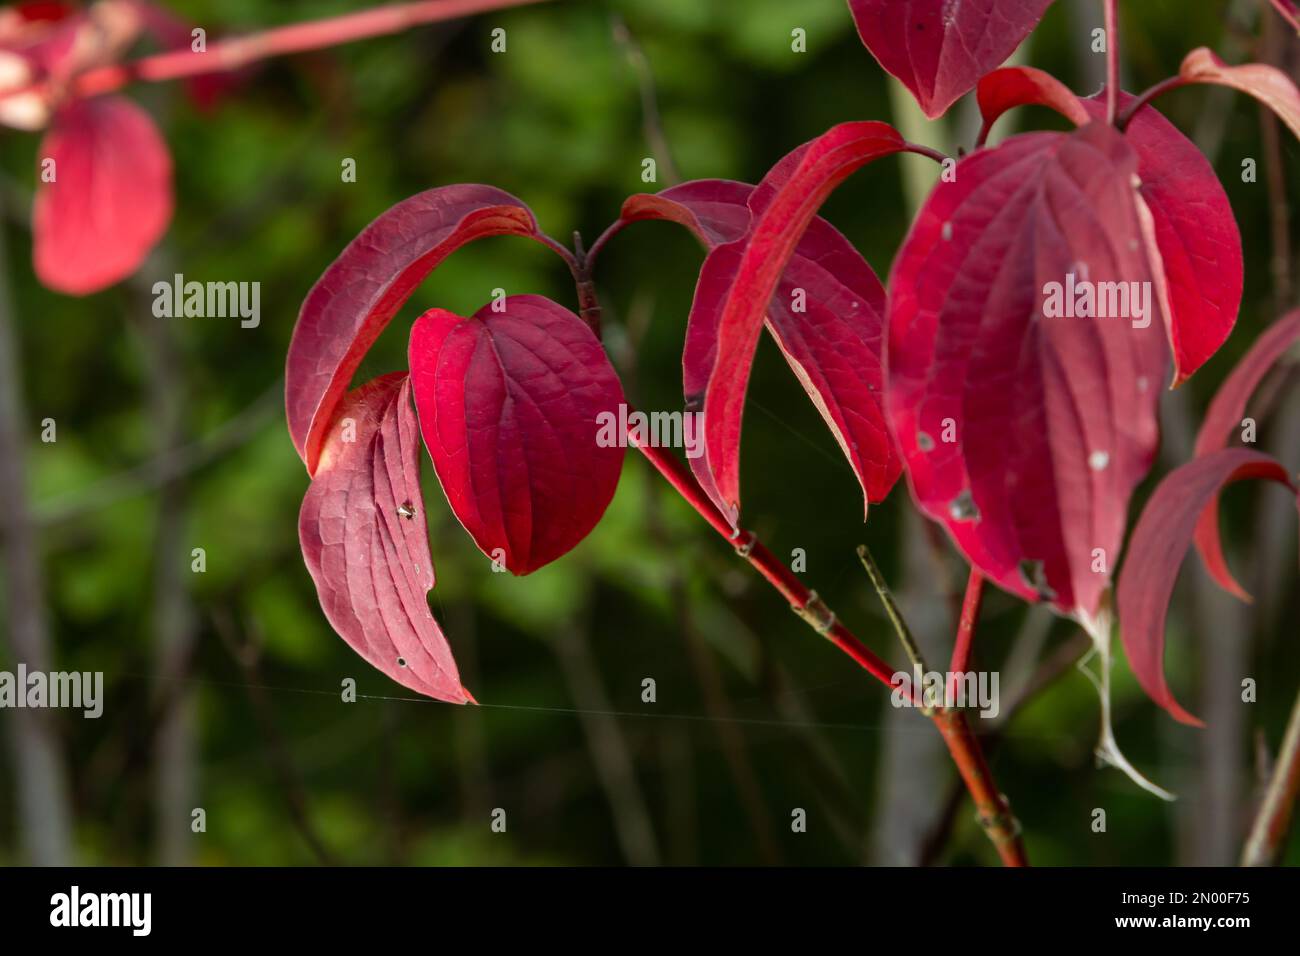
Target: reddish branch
994, 812
1268, 834
970, 612
238, 52
1112, 60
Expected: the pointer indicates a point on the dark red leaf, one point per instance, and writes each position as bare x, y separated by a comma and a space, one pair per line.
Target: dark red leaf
510, 404
1156, 552
1224, 417
111, 199
939, 49
736, 288
1025, 434
366, 543
1267, 84
827, 317
1014, 86
362, 290
1196, 232
1195, 229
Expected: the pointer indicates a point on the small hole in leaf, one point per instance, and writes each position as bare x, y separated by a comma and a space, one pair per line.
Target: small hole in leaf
401, 662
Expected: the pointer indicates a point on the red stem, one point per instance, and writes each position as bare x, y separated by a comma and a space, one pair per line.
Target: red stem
993, 810
1112, 60
1146, 96
803, 601
970, 613
1289, 13
234, 53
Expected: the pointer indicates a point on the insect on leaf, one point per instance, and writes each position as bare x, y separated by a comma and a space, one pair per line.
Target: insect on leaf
366, 542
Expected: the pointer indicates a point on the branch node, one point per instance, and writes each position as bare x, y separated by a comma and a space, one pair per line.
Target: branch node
814, 611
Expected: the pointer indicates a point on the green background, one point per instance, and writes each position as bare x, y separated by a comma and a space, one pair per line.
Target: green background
755, 716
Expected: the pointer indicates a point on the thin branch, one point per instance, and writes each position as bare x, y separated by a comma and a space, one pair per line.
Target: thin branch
651, 122
1145, 97
804, 602
248, 654
1269, 832
970, 612
992, 809
232, 54
1112, 60
1289, 13
45, 824
167, 466
904, 633
610, 756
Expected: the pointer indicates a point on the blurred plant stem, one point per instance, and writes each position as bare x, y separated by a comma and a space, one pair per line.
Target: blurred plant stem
609, 750
992, 807
1272, 826
175, 787
247, 652
1112, 60
44, 812
228, 55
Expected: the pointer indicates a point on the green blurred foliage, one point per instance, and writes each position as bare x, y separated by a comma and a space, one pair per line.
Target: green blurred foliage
557, 120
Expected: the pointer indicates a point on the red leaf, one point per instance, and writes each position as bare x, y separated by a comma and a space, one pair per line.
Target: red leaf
1195, 229
1222, 418
939, 49
1014, 86
1196, 232
371, 279
737, 283
1025, 434
1267, 84
834, 345
509, 404
366, 544
111, 200
1157, 549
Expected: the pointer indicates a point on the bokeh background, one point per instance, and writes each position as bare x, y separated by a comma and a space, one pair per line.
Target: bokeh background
223, 688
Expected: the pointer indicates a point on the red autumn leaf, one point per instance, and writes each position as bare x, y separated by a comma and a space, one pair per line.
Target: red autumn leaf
827, 317
939, 49
1195, 229
1196, 232
1024, 432
1267, 84
1223, 417
365, 286
737, 283
111, 198
366, 543
510, 404
1014, 86
1157, 549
